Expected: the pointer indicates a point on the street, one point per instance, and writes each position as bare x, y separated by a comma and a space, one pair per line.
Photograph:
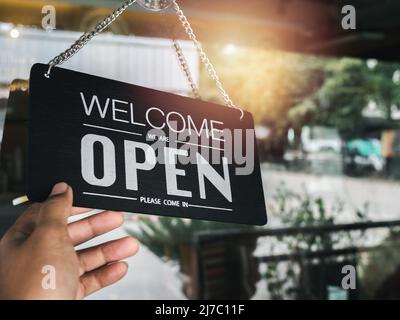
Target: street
381, 195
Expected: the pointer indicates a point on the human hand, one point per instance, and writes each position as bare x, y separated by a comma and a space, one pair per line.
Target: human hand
42, 237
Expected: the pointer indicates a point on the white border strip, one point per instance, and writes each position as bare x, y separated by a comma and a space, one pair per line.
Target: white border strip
111, 129
213, 208
135, 199
108, 196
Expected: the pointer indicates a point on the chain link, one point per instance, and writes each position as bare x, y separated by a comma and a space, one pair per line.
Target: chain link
185, 68
203, 57
85, 38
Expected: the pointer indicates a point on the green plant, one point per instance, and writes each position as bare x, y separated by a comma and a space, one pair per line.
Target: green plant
301, 210
349, 85
375, 275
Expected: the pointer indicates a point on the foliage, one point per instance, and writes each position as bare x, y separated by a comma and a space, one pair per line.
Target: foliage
350, 84
374, 273
386, 82
301, 210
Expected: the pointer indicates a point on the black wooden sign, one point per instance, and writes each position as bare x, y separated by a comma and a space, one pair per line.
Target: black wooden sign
128, 148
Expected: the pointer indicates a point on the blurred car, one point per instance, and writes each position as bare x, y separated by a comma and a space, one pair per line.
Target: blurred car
362, 155
317, 139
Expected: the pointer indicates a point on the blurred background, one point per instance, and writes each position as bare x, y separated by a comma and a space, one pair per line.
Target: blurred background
326, 102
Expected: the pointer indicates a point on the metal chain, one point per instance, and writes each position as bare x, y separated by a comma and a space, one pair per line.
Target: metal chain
85, 38
203, 57
185, 68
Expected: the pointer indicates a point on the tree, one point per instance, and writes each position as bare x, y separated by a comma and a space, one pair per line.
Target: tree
386, 81
350, 84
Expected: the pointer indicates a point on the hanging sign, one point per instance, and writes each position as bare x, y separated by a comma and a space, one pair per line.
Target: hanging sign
128, 148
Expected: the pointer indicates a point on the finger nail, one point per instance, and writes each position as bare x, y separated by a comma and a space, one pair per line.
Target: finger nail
59, 188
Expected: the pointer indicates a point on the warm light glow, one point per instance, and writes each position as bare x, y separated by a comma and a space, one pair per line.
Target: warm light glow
5, 27
230, 49
262, 132
14, 33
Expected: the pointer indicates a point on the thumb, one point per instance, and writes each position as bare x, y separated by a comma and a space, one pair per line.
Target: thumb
55, 211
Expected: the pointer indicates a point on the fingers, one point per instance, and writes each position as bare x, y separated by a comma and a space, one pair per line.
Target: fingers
95, 257
100, 278
93, 226
96, 268
54, 212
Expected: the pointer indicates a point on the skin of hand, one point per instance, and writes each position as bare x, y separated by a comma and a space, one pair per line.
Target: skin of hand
42, 237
